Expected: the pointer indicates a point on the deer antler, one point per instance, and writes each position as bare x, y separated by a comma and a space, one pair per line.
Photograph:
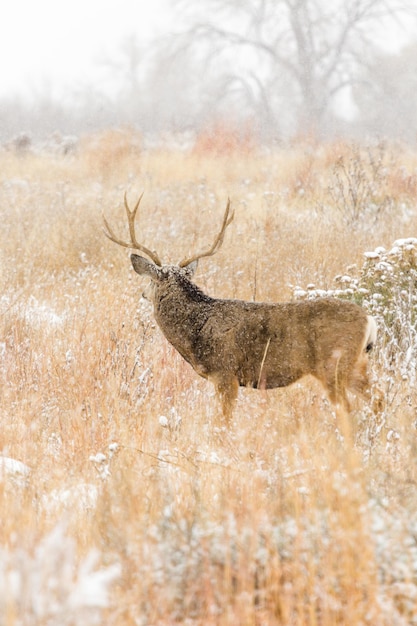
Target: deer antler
133, 243
227, 218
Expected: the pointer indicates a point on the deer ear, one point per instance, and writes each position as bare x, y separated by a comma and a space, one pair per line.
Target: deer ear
144, 267
191, 268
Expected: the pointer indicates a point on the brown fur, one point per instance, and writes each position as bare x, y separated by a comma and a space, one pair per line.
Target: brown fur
236, 343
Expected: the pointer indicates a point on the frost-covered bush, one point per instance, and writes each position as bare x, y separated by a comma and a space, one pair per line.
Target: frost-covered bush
50, 586
200, 567
387, 285
393, 536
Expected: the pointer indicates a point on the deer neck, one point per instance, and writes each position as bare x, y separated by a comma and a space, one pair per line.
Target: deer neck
181, 309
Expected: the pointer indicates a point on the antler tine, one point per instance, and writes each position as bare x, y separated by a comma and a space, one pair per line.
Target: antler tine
133, 243
227, 219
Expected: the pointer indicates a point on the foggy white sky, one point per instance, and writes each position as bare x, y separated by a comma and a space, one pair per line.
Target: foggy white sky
56, 48
55, 45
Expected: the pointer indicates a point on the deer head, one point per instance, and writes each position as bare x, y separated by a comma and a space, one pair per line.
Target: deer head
153, 268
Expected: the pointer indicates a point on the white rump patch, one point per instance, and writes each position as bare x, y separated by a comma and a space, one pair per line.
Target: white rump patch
371, 332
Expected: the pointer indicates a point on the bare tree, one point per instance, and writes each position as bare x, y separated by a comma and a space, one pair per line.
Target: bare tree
295, 53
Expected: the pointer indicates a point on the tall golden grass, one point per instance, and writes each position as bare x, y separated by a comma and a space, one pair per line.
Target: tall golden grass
135, 505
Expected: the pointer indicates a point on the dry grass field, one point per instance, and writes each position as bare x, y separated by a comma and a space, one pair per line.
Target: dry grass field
124, 500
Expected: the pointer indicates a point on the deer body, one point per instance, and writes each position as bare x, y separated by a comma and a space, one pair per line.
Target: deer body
254, 344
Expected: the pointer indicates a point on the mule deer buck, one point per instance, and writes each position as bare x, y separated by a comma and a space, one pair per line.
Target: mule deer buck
254, 344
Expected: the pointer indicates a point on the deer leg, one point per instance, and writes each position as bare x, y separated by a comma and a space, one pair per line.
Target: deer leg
227, 389
336, 389
362, 385
337, 394
360, 379
334, 381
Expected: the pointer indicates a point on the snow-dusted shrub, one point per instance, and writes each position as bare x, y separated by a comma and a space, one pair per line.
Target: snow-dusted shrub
203, 568
50, 586
393, 536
